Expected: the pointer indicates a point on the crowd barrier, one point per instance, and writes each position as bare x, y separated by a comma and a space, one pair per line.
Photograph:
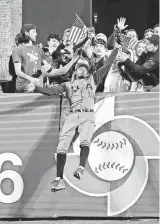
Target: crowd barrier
122, 172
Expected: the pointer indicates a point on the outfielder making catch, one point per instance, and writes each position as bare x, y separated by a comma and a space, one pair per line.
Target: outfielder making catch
80, 91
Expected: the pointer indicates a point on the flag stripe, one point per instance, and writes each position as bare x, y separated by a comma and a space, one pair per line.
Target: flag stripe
71, 33
132, 44
78, 35
74, 33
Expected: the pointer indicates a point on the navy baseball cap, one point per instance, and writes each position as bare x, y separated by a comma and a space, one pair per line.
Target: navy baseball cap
27, 28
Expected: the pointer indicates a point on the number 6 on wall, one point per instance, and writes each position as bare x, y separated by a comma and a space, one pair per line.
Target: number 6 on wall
12, 175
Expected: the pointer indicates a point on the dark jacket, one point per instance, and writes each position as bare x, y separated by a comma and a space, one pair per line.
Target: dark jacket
146, 68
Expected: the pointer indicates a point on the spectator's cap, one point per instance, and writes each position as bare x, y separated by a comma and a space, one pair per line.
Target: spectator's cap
101, 39
27, 28
101, 36
154, 39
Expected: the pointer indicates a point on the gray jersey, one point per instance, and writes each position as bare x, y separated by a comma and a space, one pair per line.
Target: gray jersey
79, 92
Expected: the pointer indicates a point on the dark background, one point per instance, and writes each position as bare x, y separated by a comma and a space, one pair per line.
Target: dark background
57, 15
140, 14
54, 15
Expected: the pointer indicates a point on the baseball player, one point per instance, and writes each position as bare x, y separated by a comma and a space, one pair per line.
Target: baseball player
80, 91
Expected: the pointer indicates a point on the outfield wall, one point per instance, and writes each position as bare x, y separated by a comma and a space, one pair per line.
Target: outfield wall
127, 130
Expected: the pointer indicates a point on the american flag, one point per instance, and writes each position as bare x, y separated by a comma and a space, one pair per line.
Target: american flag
127, 42
78, 31
132, 44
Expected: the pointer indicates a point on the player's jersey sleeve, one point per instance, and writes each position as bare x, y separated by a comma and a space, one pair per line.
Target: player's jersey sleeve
55, 90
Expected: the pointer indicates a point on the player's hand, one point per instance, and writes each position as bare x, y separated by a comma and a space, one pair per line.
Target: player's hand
29, 88
36, 82
121, 23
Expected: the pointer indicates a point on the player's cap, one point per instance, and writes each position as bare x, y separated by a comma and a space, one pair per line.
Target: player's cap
82, 63
27, 28
154, 39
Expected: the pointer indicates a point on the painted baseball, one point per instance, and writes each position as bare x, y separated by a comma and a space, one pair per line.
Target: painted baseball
111, 156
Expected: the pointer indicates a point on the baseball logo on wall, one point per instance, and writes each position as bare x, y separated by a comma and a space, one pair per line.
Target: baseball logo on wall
118, 158
111, 156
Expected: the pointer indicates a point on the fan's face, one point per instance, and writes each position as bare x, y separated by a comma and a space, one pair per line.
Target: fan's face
150, 47
53, 43
132, 34
148, 34
140, 48
32, 34
100, 50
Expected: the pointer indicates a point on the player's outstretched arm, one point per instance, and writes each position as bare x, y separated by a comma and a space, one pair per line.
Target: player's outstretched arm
63, 70
55, 90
